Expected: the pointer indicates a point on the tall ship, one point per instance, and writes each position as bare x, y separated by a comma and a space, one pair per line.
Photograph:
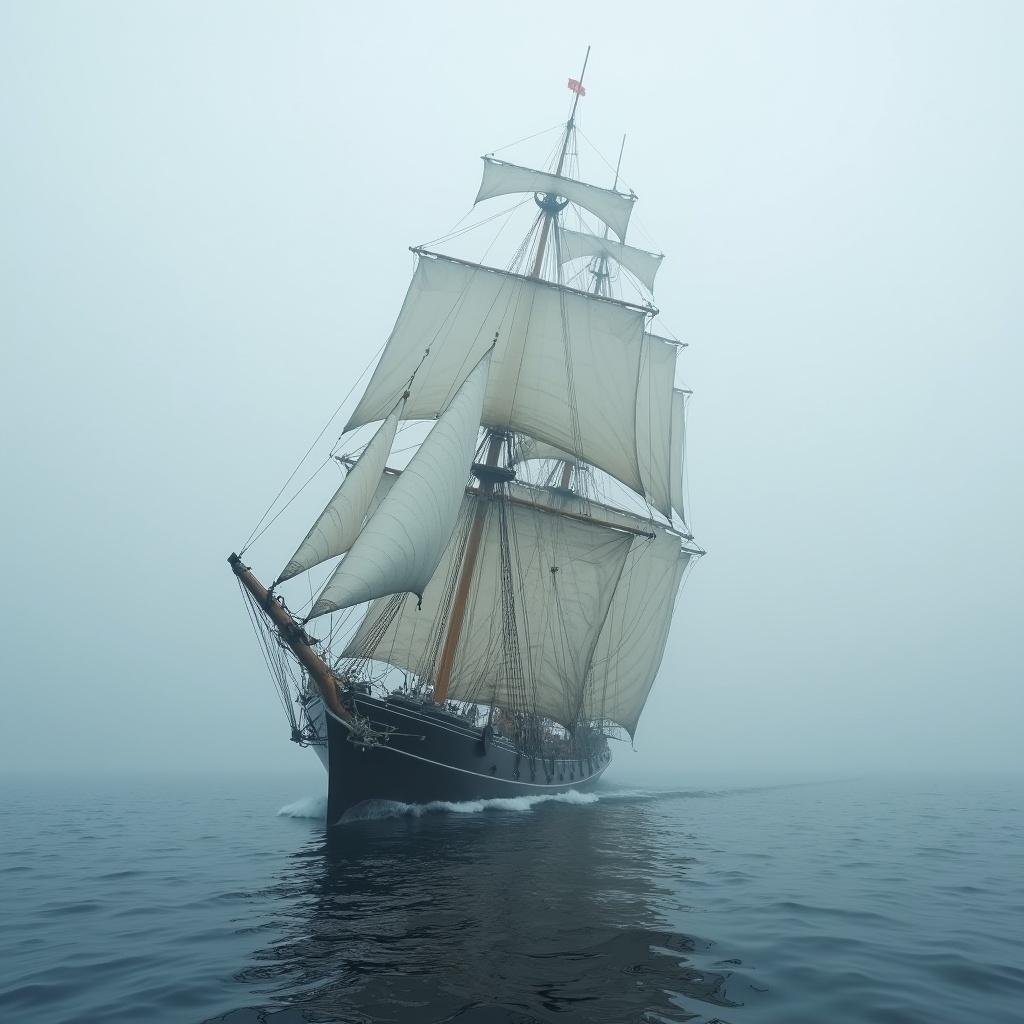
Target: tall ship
477, 619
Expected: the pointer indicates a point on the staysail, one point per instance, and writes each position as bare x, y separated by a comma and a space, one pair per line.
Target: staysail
339, 524
400, 546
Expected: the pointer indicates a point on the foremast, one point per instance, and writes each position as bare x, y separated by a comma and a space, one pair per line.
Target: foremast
600, 287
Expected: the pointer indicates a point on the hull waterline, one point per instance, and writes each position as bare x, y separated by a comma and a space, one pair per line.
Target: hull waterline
430, 757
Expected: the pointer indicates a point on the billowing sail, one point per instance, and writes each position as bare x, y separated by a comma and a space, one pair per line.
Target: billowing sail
340, 522
564, 582
632, 641
655, 429
678, 446
501, 179
654, 421
575, 245
400, 546
564, 371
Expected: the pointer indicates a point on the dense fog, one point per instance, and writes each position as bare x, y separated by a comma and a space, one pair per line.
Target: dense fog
205, 214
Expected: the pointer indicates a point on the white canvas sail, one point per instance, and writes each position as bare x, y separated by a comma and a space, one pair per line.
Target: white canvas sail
654, 425
531, 450
654, 421
678, 449
400, 546
535, 600
565, 369
339, 524
632, 641
575, 245
501, 179
566, 577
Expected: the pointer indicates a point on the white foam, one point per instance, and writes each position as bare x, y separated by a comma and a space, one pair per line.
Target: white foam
307, 807
395, 809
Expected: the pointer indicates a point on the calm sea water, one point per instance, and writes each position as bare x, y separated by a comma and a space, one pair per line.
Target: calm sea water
895, 900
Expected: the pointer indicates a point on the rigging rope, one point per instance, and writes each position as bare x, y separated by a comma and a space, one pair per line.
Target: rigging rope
323, 430
277, 664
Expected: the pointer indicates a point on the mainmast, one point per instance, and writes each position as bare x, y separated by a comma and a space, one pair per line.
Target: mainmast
490, 473
549, 204
600, 279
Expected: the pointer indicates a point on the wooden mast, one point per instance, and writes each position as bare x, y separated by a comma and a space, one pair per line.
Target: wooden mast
458, 616
600, 278
550, 213
601, 275
294, 636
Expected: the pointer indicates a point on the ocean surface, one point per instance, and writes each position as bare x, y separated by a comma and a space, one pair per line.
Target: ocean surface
222, 899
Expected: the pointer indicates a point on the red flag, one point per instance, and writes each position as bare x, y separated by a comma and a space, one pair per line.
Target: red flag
577, 87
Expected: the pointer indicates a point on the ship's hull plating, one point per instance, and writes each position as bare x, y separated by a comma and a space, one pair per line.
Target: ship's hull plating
429, 757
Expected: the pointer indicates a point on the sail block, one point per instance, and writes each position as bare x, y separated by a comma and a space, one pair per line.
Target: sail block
403, 541
565, 370
576, 245
501, 179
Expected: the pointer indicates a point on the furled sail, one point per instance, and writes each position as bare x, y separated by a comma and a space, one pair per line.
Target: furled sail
501, 179
575, 245
401, 544
632, 641
564, 371
678, 446
565, 581
340, 522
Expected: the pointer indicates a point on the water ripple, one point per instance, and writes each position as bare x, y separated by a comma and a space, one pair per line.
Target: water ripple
853, 902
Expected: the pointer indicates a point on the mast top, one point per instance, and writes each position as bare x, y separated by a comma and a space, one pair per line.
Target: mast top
576, 84
549, 210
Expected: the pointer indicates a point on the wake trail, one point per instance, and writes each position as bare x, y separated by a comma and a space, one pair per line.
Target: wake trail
316, 806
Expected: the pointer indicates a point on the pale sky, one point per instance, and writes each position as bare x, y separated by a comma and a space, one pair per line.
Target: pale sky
205, 211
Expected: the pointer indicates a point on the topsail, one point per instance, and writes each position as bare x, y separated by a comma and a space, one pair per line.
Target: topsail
658, 427
565, 369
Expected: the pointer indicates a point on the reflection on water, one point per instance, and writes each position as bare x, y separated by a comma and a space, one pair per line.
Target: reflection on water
554, 913
868, 902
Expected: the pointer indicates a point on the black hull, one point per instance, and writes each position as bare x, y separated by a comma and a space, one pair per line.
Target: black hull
434, 757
